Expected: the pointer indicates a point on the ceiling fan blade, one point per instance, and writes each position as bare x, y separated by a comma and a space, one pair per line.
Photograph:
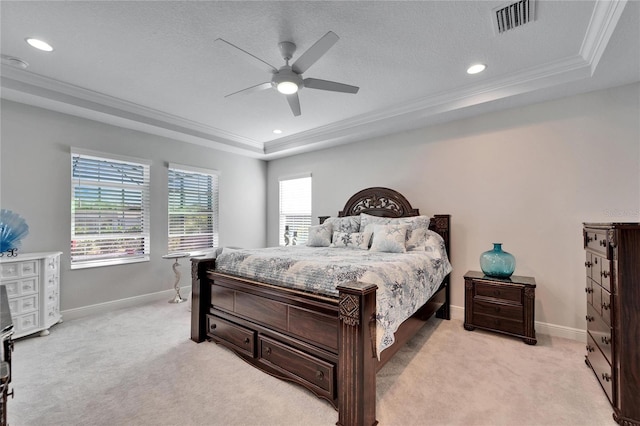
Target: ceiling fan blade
294, 103
314, 83
315, 52
252, 89
252, 59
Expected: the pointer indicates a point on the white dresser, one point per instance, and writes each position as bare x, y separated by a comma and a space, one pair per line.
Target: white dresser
33, 288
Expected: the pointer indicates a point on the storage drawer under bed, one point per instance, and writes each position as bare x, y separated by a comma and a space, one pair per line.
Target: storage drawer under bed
232, 335
318, 374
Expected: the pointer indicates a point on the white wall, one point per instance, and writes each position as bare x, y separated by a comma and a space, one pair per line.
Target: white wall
35, 182
526, 177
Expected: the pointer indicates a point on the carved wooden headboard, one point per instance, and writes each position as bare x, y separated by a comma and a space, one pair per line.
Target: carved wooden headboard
385, 202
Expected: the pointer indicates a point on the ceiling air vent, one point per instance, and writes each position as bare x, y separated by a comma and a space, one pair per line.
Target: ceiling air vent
513, 15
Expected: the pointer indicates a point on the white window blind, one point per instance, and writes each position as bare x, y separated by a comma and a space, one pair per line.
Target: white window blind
109, 210
193, 209
295, 210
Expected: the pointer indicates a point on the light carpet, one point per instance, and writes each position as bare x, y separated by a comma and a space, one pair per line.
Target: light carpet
137, 366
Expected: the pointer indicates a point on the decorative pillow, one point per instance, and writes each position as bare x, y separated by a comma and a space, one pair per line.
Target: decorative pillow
413, 223
349, 224
320, 235
417, 239
353, 240
389, 238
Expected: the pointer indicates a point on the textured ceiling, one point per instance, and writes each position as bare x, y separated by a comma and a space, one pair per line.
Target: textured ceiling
154, 66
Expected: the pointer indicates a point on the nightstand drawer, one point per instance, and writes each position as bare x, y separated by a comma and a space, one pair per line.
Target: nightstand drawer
500, 310
501, 324
499, 291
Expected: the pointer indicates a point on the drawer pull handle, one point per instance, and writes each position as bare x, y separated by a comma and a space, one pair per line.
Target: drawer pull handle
589, 318
588, 264
589, 239
588, 290
247, 341
319, 375
213, 326
497, 308
606, 306
605, 274
603, 243
606, 340
606, 376
268, 350
590, 348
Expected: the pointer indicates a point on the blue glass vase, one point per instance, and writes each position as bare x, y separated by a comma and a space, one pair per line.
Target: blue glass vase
497, 263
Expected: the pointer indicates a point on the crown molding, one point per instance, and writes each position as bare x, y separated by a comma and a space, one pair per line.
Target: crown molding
603, 21
34, 89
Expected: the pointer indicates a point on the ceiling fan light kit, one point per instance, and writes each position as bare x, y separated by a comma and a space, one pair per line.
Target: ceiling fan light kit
288, 78
287, 81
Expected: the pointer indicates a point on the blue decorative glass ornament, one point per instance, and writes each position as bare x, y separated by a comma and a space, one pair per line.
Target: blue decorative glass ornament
497, 263
12, 229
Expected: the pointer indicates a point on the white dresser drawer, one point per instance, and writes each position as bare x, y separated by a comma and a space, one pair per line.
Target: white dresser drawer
21, 287
26, 323
24, 304
27, 268
9, 271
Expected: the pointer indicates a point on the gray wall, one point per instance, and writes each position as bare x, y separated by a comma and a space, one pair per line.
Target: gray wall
35, 182
527, 177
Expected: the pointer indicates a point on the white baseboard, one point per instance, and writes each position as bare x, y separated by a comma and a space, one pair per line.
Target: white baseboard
554, 330
101, 308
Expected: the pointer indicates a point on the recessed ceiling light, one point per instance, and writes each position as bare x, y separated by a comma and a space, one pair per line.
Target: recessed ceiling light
39, 44
277, 131
476, 68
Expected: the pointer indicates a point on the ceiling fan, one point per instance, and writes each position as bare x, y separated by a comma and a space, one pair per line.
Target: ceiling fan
288, 78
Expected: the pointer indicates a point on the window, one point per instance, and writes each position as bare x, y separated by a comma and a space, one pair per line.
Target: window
109, 210
295, 210
193, 208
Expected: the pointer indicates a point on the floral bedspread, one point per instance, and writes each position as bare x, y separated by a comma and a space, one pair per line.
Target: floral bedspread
405, 280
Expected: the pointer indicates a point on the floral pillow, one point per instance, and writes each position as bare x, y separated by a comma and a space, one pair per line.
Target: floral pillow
414, 223
389, 238
348, 224
353, 240
320, 235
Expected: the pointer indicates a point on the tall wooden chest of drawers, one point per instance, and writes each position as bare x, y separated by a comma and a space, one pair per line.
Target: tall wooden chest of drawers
32, 281
613, 314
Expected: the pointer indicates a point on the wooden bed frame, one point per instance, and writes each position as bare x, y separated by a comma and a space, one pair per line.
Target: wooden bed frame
325, 344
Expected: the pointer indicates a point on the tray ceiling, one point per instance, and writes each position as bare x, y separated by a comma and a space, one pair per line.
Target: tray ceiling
155, 66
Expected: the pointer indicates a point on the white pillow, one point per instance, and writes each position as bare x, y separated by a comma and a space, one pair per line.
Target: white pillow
413, 242
353, 240
320, 235
389, 238
348, 224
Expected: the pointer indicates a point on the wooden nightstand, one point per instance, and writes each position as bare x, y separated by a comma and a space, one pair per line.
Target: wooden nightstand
505, 305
